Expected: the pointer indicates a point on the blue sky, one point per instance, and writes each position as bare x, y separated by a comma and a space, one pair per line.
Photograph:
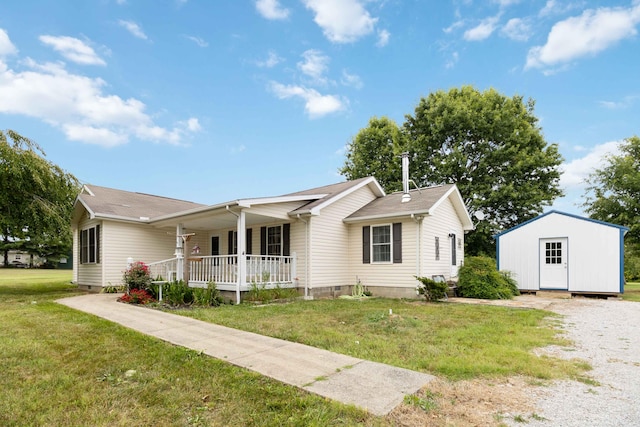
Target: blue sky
211, 101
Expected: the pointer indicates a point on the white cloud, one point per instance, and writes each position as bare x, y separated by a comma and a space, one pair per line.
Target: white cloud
455, 57
271, 9
352, 80
316, 104
517, 29
505, 3
483, 30
73, 49
199, 41
342, 21
272, 60
78, 106
626, 102
576, 171
588, 34
383, 38
315, 64
451, 28
133, 28
6, 47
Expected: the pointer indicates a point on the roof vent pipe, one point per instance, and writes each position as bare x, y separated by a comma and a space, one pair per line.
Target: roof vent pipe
406, 197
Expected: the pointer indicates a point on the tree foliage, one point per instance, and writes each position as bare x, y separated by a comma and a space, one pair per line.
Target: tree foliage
488, 144
613, 193
36, 199
374, 151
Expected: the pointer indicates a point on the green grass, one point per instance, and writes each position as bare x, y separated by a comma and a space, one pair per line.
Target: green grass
61, 367
631, 291
458, 341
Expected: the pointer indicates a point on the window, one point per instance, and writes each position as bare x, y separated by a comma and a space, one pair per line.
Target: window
459, 243
381, 243
90, 245
274, 241
553, 253
437, 249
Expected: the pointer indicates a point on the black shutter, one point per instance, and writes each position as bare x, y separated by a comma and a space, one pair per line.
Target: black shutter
453, 249
98, 245
249, 241
397, 243
230, 243
286, 240
263, 240
366, 244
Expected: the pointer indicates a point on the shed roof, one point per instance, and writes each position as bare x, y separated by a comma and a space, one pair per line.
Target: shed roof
555, 212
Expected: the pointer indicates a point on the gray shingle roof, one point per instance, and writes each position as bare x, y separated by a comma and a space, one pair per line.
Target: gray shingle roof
391, 205
135, 206
330, 191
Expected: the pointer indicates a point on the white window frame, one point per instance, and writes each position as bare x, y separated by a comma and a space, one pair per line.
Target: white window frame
280, 243
86, 249
389, 243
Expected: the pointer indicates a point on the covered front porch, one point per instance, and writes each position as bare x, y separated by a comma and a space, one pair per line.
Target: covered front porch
236, 246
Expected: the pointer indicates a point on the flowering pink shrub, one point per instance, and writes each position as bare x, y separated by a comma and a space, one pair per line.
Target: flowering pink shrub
137, 276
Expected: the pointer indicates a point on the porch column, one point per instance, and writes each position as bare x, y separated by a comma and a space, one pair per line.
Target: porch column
179, 252
242, 255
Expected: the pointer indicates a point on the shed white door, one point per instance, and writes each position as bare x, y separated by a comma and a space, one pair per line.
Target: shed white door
553, 263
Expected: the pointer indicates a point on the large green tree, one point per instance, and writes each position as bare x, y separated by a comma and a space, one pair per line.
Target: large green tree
613, 195
36, 199
490, 145
374, 151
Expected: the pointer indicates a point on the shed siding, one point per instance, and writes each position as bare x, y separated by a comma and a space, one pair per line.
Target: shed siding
330, 237
593, 257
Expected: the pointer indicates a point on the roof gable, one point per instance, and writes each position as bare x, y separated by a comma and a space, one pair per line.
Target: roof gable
424, 201
555, 212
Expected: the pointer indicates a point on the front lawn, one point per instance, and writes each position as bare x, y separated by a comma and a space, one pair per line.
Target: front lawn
458, 341
61, 367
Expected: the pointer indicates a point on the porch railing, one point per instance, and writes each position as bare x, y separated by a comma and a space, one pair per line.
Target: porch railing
223, 270
166, 269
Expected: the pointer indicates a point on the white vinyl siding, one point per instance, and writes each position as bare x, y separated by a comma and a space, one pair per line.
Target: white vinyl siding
445, 221
399, 275
330, 239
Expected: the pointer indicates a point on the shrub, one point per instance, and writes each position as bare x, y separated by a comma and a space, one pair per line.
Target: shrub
137, 276
137, 296
478, 278
431, 289
177, 293
208, 297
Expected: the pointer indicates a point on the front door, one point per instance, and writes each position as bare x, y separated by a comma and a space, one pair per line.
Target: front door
553, 263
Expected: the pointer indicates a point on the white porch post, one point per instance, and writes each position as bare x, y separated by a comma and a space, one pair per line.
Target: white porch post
294, 268
179, 252
242, 255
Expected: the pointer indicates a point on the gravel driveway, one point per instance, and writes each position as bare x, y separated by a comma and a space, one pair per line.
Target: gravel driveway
606, 333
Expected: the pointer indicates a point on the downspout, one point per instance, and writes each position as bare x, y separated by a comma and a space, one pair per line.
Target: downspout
239, 269
306, 257
418, 220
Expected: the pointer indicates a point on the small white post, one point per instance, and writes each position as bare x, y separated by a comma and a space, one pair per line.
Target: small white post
129, 262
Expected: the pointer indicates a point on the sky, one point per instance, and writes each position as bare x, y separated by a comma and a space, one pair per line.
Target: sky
212, 101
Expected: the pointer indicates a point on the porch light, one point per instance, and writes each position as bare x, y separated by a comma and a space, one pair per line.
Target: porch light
196, 249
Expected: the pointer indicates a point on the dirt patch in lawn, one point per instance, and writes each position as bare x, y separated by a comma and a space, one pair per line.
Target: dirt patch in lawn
479, 402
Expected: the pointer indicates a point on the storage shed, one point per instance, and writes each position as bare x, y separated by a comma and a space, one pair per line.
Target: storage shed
564, 252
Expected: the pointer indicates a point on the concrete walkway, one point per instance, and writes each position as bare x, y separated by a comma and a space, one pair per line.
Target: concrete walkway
375, 387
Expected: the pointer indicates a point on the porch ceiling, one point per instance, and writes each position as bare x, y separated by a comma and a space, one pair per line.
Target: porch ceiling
214, 221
